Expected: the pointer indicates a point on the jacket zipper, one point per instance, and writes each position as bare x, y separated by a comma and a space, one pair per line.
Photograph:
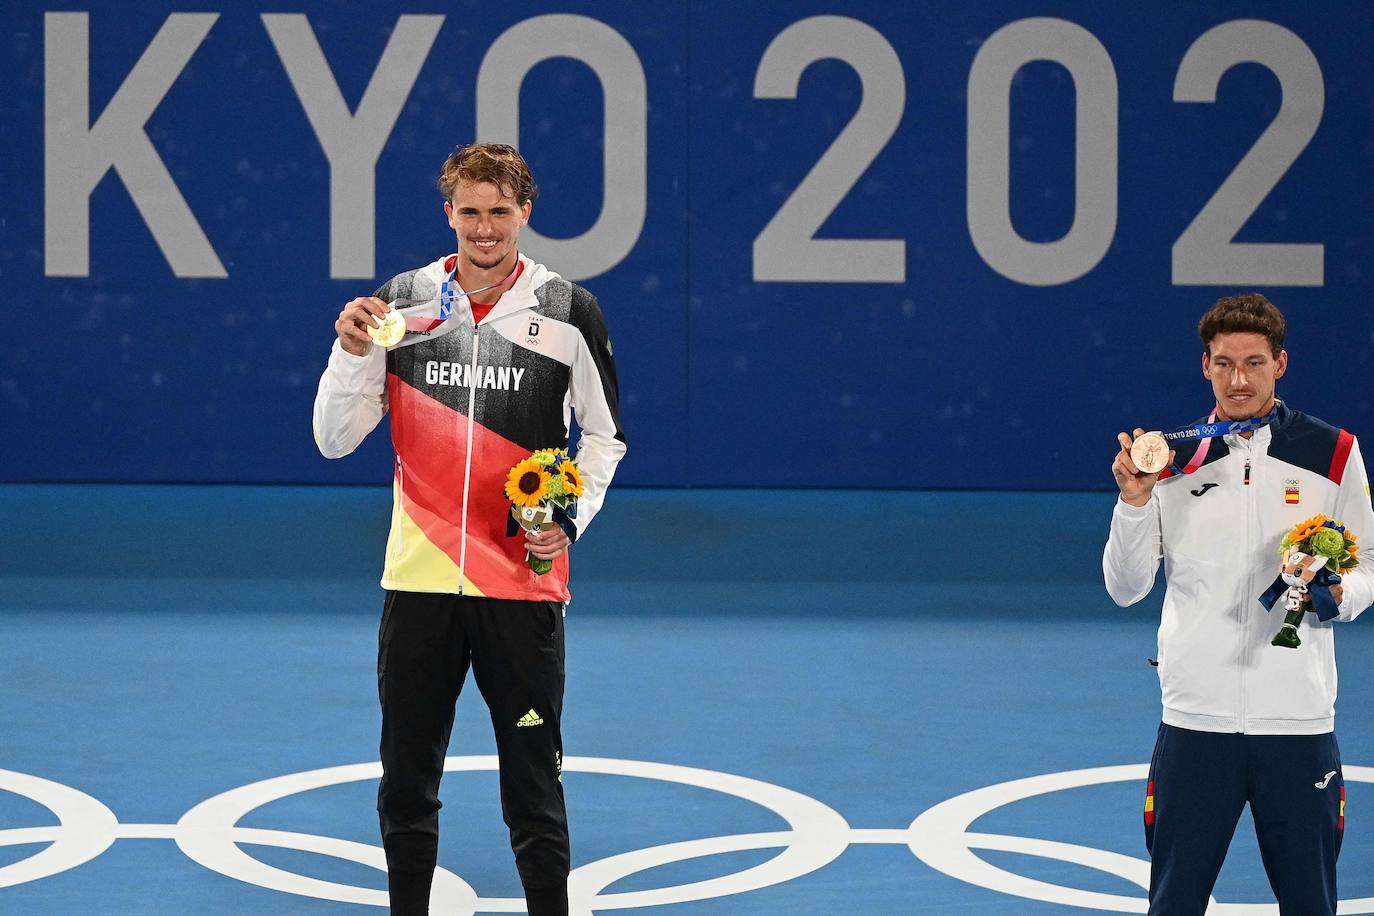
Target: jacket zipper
467, 463
1245, 583
400, 504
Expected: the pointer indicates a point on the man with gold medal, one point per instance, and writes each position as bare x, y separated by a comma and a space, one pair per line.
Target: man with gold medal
1245, 720
480, 357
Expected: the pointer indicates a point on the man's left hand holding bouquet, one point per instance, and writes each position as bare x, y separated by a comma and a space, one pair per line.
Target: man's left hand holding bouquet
1315, 554
548, 544
543, 490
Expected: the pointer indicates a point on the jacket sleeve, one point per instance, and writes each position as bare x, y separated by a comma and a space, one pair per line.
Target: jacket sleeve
1353, 508
350, 401
1133, 552
595, 397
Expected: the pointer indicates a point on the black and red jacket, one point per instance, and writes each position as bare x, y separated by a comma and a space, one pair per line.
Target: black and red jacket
468, 402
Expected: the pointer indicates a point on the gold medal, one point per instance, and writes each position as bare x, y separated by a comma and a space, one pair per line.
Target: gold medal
392, 331
1150, 453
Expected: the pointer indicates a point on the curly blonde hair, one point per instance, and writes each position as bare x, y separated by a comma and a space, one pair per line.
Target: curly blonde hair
494, 163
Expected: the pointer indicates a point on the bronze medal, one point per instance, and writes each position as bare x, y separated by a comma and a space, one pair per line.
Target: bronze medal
1150, 453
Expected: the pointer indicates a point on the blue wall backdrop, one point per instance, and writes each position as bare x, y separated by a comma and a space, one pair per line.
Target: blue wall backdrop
860, 244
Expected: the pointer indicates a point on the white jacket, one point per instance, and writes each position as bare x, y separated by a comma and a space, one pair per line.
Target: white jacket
1218, 531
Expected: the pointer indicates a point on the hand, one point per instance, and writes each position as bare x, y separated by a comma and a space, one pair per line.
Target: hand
1135, 486
353, 322
548, 544
1337, 593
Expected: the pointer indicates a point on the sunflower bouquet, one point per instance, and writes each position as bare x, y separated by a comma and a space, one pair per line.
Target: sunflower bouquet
543, 491
1314, 555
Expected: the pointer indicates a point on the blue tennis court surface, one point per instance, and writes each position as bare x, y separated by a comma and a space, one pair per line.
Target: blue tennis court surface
765, 691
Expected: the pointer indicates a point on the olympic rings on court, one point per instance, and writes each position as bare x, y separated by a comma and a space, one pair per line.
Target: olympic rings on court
209, 835
940, 838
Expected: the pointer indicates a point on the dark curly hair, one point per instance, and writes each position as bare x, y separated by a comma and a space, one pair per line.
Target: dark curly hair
1250, 313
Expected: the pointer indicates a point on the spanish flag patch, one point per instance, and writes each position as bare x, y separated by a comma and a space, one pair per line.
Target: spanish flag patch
1291, 493
1150, 804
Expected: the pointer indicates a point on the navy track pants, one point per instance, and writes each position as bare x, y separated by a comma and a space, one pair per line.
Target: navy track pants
1199, 783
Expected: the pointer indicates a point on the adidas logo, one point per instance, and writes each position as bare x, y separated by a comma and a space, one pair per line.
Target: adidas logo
529, 720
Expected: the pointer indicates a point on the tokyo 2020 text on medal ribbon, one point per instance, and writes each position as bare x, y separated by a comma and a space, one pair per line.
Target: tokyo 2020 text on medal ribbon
1151, 450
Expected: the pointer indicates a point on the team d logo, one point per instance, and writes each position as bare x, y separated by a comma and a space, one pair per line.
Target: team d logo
1291, 492
532, 333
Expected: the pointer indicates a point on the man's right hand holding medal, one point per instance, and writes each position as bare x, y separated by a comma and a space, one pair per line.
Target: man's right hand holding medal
357, 319
1135, 483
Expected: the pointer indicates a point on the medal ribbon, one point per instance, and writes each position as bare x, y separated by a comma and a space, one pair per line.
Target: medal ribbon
450, 292
422, 320
1211, 429
429, 318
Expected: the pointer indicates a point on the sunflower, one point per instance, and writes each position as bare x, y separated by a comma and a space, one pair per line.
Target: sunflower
572, 479
1305, 530
528, 483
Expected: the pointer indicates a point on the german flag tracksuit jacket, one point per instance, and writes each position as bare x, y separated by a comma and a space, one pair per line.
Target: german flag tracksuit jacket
467, 403
1217, 530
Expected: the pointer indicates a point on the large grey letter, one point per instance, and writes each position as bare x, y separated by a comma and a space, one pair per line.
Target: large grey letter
352, 142
77, 155
625, 157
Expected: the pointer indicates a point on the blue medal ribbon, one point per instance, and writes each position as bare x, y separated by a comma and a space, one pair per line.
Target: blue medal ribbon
1222, 428
1204, 431
450, 292
447, 297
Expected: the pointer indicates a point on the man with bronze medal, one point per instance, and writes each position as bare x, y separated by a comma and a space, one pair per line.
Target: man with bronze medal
1254, 502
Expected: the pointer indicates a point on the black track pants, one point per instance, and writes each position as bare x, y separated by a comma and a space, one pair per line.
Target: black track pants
515, 649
